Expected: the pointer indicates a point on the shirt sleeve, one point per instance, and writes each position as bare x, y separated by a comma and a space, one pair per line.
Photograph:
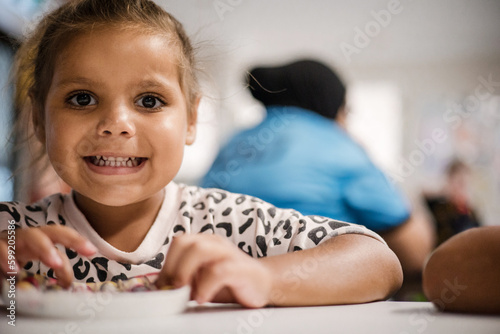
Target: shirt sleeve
260, 229
15, 215
20, 215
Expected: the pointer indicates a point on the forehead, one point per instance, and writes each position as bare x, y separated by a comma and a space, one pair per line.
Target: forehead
120, 54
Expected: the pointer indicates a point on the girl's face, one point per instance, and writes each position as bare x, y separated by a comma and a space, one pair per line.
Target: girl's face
116, 120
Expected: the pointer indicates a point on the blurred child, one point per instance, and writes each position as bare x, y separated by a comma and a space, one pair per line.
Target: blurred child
301, 156
114, 99
452, 209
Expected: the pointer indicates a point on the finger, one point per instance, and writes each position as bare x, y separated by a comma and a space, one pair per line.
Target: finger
211, 279
171, 260
223, 296
197, 255
64, 274
162, 280
175, 252
33, 244
248, 283
232, 276
249, 294
69, 238
187, 254
174, 259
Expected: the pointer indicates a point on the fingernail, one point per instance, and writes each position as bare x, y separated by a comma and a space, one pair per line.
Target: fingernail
90, 246
56, 258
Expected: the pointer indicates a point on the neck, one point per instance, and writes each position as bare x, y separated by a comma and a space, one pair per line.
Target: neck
341, 118
124, 227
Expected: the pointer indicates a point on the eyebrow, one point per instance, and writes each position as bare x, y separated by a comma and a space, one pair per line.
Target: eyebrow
167, 87
77, 80
146, 84
150, 83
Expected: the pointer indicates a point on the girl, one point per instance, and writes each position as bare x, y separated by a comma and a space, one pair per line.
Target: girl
114, 100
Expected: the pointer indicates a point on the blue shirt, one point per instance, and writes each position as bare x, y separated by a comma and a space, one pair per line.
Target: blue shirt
298, 159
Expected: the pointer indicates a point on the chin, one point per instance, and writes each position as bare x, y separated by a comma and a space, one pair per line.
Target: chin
112, 198
114, 202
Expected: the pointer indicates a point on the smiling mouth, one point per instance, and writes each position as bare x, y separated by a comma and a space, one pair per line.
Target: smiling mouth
103, 161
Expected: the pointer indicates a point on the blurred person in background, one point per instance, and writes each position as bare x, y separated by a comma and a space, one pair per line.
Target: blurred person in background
452, 209
463, 273
7, 50
34, 178
302, 157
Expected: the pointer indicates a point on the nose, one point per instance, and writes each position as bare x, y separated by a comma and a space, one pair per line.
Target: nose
116, 121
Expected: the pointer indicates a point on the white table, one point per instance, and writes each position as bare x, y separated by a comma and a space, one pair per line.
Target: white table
379, 317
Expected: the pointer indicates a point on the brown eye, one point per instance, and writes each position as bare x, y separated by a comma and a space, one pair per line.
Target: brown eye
150, 102
82, 100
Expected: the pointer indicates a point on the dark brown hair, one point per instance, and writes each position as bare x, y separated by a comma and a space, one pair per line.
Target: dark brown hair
456, 166
36, 57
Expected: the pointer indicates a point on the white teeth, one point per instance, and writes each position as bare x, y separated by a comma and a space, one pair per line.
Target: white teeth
100, 160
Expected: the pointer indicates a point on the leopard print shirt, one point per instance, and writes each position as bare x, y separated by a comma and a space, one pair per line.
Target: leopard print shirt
256, 227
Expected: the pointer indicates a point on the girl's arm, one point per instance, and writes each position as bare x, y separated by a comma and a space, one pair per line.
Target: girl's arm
346, 269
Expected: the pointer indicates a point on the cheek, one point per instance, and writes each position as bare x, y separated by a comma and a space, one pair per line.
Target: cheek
169, 140
53, 138
170, 129
60, 140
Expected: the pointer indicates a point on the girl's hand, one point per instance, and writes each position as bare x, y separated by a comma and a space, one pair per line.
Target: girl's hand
217, 271
38, 243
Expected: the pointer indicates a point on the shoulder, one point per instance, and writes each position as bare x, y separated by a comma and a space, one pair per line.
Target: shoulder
197, 197
30, 215
223, 205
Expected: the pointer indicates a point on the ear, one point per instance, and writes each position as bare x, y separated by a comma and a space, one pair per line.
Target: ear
38, 119
192, 118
